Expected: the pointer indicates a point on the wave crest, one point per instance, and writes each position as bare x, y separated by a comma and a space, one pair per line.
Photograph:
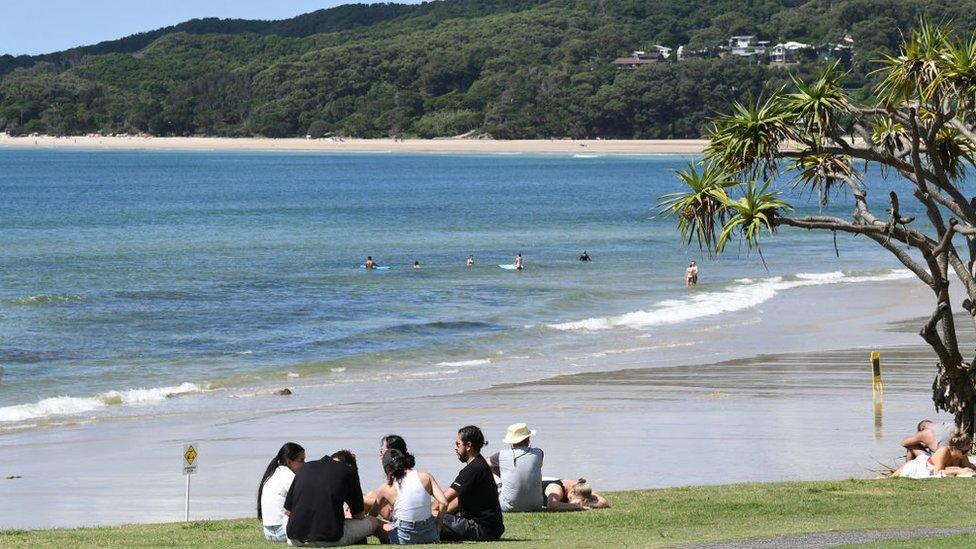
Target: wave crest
742, 294
65, 405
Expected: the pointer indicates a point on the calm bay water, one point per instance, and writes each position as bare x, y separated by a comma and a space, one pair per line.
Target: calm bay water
129, 276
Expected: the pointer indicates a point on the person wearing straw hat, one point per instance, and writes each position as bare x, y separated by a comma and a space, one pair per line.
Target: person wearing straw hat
520, 469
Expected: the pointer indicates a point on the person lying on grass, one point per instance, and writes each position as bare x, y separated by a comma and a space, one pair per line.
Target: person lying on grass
948, 461
571, 495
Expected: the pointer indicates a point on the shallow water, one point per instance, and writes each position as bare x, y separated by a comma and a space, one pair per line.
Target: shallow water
130, 277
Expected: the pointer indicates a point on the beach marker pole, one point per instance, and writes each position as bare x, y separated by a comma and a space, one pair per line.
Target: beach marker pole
190, 458
877, 393
877, 385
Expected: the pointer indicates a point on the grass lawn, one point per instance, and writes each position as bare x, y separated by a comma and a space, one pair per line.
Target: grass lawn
954, 542
650, 518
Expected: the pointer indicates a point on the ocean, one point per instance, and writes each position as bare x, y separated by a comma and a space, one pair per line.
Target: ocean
137, 283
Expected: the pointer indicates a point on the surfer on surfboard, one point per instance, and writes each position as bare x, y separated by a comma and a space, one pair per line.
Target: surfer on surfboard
518, 261
370, 264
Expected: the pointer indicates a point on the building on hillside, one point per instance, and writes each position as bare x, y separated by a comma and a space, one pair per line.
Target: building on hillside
637, 59
663, 51
788, 52
842, 51
747, 46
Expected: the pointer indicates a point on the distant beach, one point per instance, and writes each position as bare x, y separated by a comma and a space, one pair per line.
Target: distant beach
555, 146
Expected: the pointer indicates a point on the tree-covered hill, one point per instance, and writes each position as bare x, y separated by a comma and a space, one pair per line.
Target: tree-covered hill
507, 68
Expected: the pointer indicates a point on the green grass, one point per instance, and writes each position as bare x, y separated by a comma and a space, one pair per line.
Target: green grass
651, 518
954, 542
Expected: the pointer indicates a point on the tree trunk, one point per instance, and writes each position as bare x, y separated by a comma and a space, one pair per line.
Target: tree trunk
954, 391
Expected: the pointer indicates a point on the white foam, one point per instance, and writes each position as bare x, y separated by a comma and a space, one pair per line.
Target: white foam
65, 405
337, 370
740, 295
477, 362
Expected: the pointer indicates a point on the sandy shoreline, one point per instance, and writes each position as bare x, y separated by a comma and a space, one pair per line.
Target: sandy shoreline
476, 146
801, 412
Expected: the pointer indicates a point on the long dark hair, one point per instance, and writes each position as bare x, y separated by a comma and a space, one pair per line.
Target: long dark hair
289, 450
397, 469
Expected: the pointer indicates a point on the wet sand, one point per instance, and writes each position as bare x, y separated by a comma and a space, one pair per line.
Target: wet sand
770, 418
713, 413
487, 146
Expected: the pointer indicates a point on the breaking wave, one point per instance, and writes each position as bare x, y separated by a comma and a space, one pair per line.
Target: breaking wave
741, 294
65, 405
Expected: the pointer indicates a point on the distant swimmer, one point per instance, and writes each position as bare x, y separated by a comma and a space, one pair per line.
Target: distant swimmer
416, 265
691, 274
585, 256
470, 261
518, 262
370, 264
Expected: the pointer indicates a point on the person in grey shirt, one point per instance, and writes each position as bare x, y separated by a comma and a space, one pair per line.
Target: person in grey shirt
520, 469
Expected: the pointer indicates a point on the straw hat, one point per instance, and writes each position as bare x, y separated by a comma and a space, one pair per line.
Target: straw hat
517, 432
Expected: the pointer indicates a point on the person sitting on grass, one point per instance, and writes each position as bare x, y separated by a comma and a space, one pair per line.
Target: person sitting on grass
476, 516
388, 442
409, 492
315, 506
948, 461
571, 495
929, 437
520, 471
274, 487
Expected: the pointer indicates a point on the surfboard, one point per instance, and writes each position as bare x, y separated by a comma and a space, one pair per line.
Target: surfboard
509, 267
377, 268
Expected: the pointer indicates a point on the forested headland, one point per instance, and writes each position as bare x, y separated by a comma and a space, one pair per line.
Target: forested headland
498, 68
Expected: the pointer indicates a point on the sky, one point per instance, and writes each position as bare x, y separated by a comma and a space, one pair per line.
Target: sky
43, 26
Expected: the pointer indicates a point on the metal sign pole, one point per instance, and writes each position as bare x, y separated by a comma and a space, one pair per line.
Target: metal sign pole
186, 507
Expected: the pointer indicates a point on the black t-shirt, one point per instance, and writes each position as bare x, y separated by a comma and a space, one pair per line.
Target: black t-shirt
315, 500
478, 496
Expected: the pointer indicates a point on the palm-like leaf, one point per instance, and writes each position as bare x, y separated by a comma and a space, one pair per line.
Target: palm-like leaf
818, 106
954, 151
821, 171
957, 73
889, 135
751, 214
748, 139
915, 74
701, 208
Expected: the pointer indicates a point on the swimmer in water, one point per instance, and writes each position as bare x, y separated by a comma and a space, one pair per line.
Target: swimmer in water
416, 265
518, 262
585, 256
470, 261
691, 274
370, 264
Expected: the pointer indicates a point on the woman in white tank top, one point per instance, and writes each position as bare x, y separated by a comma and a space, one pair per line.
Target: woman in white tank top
410, 492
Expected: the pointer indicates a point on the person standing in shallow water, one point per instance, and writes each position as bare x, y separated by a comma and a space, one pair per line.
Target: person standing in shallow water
370, 264
691, 274
518, 261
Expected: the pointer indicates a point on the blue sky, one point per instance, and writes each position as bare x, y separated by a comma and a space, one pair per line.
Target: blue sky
42, 26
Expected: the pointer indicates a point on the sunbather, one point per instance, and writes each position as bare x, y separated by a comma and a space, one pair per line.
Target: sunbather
571, 495
948, 461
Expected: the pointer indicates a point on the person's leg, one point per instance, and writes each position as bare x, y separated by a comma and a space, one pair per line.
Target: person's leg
457, 528
353, 531
275, 533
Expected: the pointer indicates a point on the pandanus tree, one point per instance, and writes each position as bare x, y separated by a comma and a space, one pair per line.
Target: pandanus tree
920, 125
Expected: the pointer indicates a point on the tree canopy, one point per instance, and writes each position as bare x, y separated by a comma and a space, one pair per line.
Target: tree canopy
506, 68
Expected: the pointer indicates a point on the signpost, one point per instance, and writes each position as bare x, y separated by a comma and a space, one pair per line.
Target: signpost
190, 458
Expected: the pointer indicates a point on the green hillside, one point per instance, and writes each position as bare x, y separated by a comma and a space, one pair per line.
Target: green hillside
506, 68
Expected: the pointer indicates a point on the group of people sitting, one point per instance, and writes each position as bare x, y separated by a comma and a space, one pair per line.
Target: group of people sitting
937, 449
321, 503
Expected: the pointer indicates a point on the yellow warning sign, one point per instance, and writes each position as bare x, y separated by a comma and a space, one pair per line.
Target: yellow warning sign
190, 456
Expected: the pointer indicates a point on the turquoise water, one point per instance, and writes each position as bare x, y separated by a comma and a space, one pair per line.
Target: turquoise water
175, 272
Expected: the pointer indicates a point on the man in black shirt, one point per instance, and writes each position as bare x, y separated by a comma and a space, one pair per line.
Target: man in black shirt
479, 515
314, 504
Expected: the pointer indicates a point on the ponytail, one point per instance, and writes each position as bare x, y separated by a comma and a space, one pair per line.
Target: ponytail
289, 450
397, 468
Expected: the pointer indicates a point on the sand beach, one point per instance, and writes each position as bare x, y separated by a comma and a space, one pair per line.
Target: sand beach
480, 146
801, 411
